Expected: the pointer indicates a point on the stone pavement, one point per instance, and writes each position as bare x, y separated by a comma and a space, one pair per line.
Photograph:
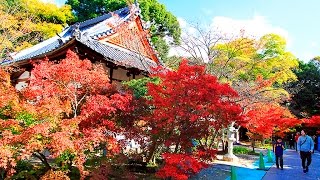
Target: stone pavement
293, 168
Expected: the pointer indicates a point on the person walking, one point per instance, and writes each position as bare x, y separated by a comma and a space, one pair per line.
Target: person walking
296, 137
305, 147
291, 141
314, 138
278, 148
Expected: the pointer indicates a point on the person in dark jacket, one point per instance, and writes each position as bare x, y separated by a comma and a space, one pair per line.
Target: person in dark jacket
291, 141
314, 138
278, 148
296, 137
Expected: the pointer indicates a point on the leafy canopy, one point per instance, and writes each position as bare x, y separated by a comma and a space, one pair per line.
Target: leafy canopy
268, 118
43, 119
24, 23
305, 90
187, 103
246, 59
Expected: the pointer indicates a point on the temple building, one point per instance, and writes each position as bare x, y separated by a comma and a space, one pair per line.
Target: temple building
119, 40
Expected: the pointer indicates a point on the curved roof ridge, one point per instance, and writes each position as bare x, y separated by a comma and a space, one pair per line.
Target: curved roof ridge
17, 55
103, 17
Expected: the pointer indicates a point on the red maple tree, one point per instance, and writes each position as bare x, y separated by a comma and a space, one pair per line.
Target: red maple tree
313, 121
68, 82
71, 108
186, 104
180, 166
267, 119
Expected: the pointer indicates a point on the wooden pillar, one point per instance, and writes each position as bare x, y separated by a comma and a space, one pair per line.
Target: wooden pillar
111, 74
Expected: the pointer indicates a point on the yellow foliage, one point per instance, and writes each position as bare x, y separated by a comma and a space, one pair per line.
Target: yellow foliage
23, 45
26, 22
246, 59
55, 175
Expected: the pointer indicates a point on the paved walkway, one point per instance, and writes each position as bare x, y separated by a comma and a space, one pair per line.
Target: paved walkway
293, 169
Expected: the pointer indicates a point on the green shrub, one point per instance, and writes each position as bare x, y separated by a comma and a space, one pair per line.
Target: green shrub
268, 141
244, 150
26, 118
25, 170
240, 150
23, 165
265, 146
65, 160
4, 112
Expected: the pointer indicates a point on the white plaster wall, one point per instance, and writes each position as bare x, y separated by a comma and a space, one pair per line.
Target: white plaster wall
139, 76
23, 83
121, 74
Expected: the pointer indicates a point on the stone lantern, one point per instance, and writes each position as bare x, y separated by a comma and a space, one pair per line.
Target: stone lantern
231, 139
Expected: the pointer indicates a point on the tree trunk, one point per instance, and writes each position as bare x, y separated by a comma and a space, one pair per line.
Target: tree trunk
226, 146
253, 144
2, 173
152, 150
43, 159
222, 143
177, 147
69, 164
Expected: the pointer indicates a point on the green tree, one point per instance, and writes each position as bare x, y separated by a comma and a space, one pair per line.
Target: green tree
256, 68
246, 59
305, 92
163, 23
173, 62
24, 23
139, 86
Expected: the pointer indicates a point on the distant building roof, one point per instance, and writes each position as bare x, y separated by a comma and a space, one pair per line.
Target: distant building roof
89, 32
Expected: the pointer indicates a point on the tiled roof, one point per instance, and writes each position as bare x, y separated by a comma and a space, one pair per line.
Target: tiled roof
90, 30
40, 49
120, 56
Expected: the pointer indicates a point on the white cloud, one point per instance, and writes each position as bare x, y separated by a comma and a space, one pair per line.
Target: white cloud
185, 26
256, 27
186, 29
307, 56
178, 51
309, 52
182, 22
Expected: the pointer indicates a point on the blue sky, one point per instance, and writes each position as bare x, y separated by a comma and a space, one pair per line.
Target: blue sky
296, 20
